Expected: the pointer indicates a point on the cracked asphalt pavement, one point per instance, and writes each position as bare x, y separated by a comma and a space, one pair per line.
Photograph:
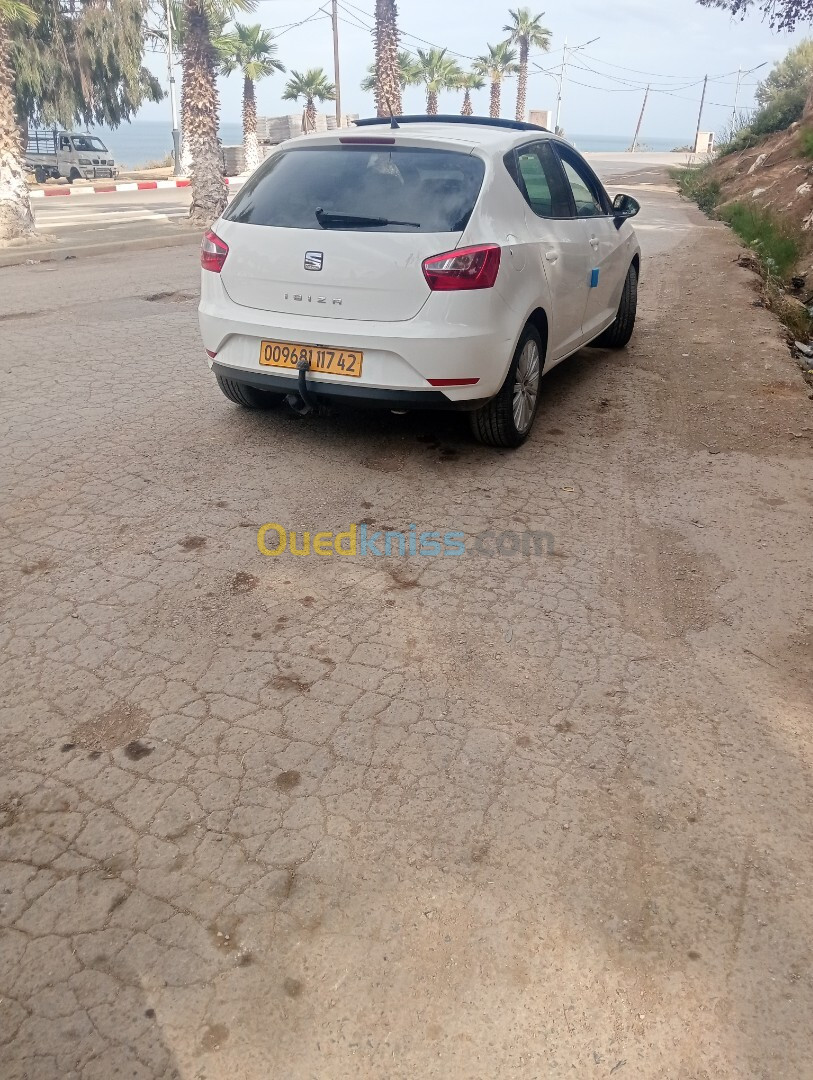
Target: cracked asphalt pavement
532, 815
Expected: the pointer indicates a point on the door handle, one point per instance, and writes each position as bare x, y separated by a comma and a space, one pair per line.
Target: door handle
552, 256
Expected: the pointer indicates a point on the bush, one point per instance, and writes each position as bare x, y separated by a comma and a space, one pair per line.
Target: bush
736, 135
765, 234
157, 163
693, 183
806, 142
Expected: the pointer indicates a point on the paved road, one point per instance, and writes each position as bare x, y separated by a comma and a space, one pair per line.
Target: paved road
542, 815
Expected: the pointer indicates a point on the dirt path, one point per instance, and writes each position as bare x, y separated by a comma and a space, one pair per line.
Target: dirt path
532, 815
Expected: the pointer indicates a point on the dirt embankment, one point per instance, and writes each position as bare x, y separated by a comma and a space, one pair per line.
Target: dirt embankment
776, 176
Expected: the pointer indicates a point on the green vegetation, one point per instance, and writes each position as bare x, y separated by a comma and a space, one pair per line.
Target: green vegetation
765, 234
806, 142
781, 99
693, 183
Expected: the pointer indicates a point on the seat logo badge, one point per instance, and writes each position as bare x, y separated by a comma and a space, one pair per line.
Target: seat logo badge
314, 260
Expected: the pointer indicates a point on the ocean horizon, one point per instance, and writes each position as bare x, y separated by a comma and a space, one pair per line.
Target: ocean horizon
133, 145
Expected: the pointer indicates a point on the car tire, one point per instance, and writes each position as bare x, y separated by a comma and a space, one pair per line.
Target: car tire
507, 419
248, 396
74, 175
619, 332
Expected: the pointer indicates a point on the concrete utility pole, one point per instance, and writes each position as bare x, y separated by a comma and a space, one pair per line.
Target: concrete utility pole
336, 76
740, 74
736, 95
559, 94
173, 100
634, 146
562, 77
700, 114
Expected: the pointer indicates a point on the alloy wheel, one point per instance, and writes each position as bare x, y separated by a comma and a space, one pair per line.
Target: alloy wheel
526, 387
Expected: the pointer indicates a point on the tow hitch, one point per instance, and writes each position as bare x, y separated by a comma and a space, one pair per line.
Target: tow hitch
301, 402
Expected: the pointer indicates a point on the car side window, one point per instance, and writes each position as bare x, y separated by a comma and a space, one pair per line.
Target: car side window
541, 177
585, 193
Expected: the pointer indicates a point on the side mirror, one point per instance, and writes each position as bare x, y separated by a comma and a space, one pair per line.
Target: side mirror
624, 206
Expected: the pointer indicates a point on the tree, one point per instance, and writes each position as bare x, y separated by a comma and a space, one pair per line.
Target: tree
499, 61
200, 106
218, 13
780, 15
82, 63
437, 72
526, 30
407, 73
251, 50
64, 63
16, 219
788, 75
387, 72
313, 86
468, 81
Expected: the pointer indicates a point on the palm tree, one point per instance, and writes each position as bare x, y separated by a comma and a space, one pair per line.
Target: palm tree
437, 72
202, 21
407, 73
526, 30
16, 219
249, 49
387, 74
499, 61
468, 81
312, 86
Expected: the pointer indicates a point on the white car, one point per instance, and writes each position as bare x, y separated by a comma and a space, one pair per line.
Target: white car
420, 262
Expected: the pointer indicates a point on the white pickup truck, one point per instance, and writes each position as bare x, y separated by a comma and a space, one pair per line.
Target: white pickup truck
72, 154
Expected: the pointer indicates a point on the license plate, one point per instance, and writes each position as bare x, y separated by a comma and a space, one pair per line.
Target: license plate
284, 354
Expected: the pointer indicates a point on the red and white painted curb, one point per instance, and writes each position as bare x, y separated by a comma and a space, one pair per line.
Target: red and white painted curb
134, 185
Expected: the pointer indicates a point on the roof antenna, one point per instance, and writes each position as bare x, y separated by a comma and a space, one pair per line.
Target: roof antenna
393, 122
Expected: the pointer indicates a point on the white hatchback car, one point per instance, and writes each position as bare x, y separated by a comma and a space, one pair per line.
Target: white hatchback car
423, 262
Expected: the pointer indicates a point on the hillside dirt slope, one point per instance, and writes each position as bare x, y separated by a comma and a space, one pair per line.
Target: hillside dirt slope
776, 176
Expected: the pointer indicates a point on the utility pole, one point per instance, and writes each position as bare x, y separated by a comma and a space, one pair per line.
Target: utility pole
559, 94
336, 77
634, 146
736, 95
740, 74
700, 114
173, 101
562, 72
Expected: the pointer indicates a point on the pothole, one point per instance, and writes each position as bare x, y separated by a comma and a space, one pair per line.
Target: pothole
170, 297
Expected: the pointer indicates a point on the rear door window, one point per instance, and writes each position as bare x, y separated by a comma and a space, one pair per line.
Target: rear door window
418, 190
540, 179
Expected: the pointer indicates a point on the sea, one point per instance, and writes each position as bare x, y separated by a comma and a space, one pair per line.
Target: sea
134, 145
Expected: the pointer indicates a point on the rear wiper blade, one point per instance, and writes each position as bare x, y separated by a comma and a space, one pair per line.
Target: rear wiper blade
333, 219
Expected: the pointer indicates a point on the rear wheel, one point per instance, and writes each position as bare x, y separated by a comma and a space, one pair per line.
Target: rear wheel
507, 419
40, 174
248, 396
618, 333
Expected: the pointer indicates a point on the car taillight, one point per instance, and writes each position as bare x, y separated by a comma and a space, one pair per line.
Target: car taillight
466, 268
213, 252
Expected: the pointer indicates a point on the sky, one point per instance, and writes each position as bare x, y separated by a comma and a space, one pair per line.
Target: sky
669, 43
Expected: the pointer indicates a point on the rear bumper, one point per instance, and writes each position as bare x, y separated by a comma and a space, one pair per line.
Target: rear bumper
354, 395
469, 343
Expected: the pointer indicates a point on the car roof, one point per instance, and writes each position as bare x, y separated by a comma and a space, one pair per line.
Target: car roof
472, 132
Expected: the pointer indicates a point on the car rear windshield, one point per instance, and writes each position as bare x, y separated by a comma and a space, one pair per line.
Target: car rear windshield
413, 189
